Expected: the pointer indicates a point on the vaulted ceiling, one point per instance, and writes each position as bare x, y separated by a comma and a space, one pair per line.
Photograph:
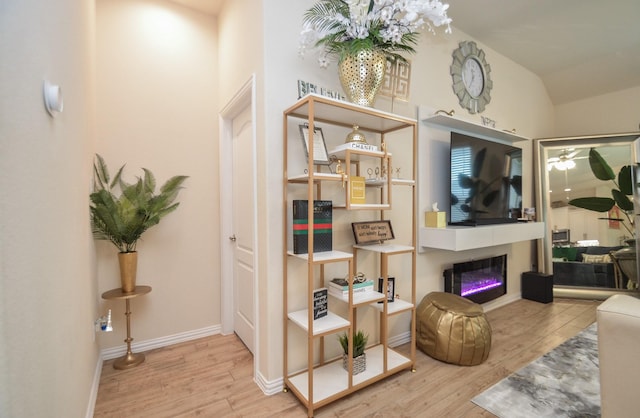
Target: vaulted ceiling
579, 48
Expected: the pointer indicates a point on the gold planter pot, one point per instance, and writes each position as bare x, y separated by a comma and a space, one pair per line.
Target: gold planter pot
362, 74
128, 269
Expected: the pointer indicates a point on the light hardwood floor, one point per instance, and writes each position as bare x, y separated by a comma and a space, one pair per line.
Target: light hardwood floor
212, 377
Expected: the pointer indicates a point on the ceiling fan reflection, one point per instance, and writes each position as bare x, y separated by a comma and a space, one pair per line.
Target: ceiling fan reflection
565, 160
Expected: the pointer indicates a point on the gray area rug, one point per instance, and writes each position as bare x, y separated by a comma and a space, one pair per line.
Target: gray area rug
565, 382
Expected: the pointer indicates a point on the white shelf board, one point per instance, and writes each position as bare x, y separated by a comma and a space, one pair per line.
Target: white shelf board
360, 298
376, 206
331, 379
403, 182
451, 123
328, 110
355, 153
460, 238
331, 322
385, 248
304, 178
398, 305
324, 256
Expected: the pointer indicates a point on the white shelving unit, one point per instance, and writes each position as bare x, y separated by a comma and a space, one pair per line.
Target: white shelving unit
323, 380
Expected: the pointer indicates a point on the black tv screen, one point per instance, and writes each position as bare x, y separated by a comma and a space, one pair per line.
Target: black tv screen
485, 182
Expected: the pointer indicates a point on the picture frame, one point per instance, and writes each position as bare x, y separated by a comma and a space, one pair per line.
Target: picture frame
320, 153
372, 232
320, 303
391, 288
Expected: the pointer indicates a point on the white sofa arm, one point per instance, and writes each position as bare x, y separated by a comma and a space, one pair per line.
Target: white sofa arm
619, 356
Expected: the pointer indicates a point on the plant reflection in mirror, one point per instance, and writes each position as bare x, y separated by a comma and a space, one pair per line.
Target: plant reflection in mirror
623, 188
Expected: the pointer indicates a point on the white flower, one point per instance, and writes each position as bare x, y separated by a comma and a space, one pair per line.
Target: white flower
323, 61
344, 26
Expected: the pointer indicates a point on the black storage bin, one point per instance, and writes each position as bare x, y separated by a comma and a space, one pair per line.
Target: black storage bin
537, 286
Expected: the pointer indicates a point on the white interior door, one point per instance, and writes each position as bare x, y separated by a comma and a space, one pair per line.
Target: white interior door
242, 238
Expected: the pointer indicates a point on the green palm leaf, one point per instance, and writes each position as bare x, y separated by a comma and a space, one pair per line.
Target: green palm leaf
123, 218
625, 180
596, 204
599, 166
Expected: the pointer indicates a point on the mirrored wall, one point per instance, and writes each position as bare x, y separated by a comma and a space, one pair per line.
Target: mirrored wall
580, 245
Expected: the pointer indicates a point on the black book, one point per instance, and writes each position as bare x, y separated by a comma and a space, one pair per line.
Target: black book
322, 226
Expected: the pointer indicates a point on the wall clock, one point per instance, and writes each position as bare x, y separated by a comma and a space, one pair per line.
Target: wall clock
471, 77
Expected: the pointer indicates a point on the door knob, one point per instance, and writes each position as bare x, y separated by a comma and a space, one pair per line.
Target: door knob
232, 238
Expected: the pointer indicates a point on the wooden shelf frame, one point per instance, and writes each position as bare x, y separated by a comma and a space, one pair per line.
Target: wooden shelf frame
323, 381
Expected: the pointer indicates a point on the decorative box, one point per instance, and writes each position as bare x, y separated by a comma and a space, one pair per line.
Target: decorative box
435, 219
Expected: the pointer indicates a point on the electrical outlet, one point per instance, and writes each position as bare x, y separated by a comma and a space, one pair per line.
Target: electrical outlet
103, 323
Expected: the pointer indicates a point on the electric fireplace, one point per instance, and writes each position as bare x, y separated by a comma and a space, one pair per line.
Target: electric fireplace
478, 280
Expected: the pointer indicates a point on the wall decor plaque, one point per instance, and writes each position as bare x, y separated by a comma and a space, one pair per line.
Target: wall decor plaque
372, 232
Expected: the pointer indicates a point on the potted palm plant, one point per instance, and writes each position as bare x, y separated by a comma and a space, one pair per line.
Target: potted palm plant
359, 356
122, 212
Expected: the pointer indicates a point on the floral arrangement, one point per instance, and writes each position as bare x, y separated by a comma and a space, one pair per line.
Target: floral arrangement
345, 27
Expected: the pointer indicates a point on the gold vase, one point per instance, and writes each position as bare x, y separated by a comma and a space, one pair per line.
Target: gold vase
128, 269
362, 74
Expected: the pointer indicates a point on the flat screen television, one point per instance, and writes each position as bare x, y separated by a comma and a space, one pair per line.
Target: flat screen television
485, 181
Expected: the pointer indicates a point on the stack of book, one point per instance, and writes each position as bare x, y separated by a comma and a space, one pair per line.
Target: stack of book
340, 287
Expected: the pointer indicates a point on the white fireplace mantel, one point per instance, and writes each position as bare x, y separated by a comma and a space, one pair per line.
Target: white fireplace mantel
460, 238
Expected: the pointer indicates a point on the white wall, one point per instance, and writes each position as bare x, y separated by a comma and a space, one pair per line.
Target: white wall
48, 291
157, 104
615, 112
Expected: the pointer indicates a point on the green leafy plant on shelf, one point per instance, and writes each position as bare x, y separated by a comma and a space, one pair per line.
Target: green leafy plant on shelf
123, 217
360, 340
623, 188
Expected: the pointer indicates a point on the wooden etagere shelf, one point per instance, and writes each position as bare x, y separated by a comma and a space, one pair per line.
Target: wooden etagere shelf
323, 379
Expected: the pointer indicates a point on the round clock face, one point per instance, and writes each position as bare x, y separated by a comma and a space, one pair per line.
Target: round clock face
471, 77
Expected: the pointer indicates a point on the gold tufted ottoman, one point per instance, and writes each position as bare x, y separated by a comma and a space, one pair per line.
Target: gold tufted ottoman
453, 329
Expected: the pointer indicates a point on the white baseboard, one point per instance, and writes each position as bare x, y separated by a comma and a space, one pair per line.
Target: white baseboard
400, 339
501, 301
269, 387
93, 394
115, 352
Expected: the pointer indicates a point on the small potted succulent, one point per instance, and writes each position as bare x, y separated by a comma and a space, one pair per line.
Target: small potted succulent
359, 356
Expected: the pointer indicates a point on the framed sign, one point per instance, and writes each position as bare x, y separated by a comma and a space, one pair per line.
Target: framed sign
391, 288
373, 232
320, 154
